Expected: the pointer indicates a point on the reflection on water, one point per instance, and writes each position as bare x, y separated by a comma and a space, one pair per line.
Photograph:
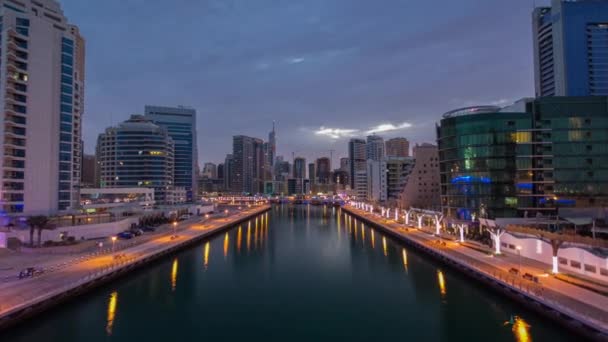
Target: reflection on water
174, 275
239, 237
206, 261
521, 330
113, 301
373, 240
363, 232
441, 281
248, 235
226, 242
404, 255
384, 246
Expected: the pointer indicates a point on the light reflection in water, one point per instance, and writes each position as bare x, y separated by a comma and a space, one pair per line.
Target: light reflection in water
441, 281
521, 330
363, 232
373, 240
404, 255
174, 275
255, 235
206, 254
248, 235
384, 246
226, 241
112, 303
239, 238
356, 233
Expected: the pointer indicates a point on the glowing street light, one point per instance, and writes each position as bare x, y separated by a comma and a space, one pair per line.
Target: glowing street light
113, 243
174, 228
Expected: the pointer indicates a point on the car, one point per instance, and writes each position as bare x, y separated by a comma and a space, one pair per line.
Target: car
30, 272
184, 217
136, 231
125, 235
148, 229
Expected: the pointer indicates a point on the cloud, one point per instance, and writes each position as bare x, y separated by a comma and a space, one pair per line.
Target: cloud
336, 133
388, 127
295, 60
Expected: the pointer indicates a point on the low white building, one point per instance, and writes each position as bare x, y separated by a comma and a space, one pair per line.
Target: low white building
100, 199
376, 181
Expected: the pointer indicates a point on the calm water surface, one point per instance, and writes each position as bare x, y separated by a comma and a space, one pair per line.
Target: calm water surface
294, 274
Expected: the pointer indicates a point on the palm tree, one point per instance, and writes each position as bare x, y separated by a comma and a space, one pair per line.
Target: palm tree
44, 224
39, 222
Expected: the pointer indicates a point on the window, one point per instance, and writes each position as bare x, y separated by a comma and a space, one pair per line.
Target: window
590, 268
67, 79
66, 89
20, 109
66, 108
23, 22
575, 264
21, 87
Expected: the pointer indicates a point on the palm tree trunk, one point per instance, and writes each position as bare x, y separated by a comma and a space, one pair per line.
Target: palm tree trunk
39, 237
32, 236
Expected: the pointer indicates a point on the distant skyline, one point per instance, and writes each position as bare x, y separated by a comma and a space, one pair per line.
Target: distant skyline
324, 70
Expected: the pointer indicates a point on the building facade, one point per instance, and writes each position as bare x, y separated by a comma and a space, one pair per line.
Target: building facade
570, 48
210, 170
422, 188
180, 123
90, 176
530, 159
376, 181
299, 168
374, 148
398, 170
323, 169
43, 73
137, 153
228, 173
398, 147
249, 165
357, 158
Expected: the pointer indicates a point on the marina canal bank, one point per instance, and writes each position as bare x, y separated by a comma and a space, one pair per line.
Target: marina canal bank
23, 299
590, 321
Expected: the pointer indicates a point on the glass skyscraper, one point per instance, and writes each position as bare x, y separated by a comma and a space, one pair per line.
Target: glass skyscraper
180, 122
531, 158
570, 48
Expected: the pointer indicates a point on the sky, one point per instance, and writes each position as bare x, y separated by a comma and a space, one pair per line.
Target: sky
324, 70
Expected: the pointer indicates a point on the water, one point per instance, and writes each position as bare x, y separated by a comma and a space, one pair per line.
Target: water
295, 275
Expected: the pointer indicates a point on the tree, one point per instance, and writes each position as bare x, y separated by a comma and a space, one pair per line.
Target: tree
39, 222
44, 224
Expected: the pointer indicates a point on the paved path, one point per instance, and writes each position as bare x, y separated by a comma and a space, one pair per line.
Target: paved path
588, 304
15, 295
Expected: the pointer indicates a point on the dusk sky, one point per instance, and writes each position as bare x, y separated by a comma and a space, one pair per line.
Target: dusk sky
325, 70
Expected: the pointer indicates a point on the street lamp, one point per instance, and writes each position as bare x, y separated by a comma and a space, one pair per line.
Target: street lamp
519, 254
174, 228
113, 243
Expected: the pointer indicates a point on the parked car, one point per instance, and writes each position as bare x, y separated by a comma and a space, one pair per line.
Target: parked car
148, 229
136, 231
125, 235
183, 217
30, 272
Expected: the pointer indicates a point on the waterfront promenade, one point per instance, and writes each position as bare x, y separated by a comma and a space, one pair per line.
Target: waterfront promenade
579, 304
19, 298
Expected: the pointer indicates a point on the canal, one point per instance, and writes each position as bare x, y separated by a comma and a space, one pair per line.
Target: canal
299, 273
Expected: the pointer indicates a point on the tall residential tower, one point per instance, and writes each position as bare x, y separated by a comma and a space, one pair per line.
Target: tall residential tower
570, 48
180, 123
42, 76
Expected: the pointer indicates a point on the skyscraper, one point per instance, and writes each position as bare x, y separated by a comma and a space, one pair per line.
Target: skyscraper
299, 168
398, 147
43, 70
180, 122
228, 173
210, 170
220, 171
356, 155
272, 146
570, 48
248, 169
137, 153
374, 148
323, 170
312, 174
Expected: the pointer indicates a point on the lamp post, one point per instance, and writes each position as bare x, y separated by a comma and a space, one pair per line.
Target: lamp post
174, 228
519, 254
113, 243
